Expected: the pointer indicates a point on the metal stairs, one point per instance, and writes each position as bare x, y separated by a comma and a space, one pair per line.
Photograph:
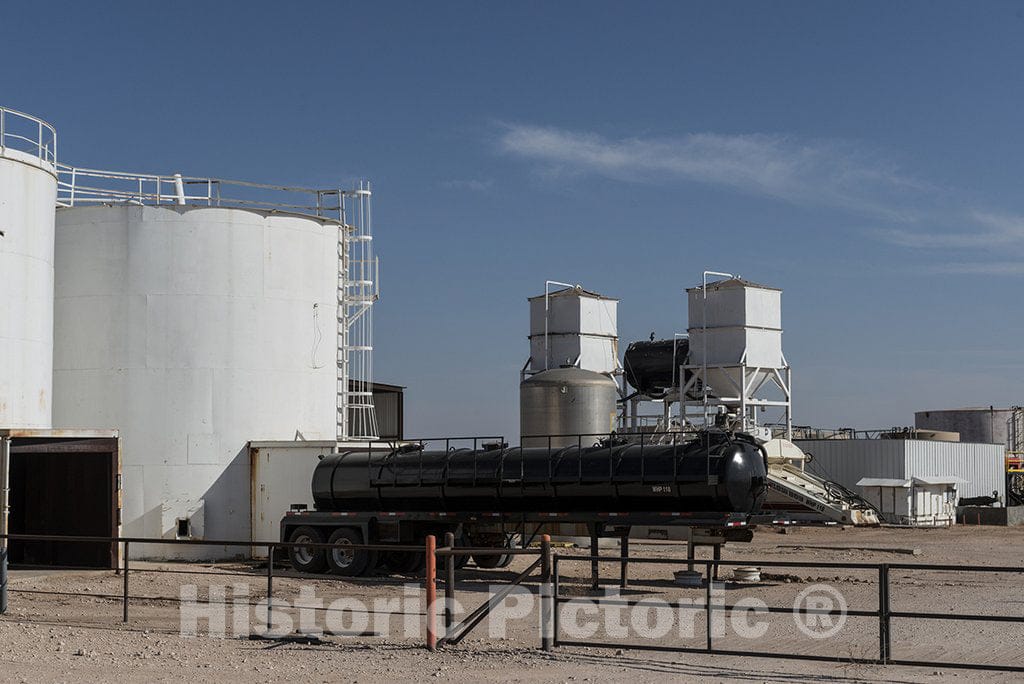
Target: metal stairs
804, 497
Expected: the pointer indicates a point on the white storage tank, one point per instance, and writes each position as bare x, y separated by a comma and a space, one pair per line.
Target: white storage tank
194, 330
28, 194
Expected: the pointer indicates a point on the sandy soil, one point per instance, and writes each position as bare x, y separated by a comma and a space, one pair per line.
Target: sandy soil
77, 635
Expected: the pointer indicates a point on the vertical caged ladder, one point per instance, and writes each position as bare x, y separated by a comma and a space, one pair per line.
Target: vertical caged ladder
358, 290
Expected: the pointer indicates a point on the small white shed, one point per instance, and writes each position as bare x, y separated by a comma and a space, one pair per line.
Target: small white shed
926, 501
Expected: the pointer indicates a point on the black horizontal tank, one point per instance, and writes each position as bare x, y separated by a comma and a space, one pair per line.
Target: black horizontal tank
716, 472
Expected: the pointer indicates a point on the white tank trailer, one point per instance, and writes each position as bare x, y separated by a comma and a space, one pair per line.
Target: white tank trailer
194, 330
28, 194
566, 402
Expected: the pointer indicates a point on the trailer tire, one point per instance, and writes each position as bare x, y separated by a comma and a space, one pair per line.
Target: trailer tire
305, 559
461, 560
353, 562
406, 562
490, 562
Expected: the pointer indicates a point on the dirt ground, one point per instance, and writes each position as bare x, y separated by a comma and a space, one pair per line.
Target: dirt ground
77, 634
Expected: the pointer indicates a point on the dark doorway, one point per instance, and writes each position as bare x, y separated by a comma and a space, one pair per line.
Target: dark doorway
66, 487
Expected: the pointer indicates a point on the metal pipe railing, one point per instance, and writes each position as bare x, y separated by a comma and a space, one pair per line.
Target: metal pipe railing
83, 186
36, 137
550, 578
883, 612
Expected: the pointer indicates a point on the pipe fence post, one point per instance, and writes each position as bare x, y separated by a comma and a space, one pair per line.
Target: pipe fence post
707, 599
449, 584
124, 615
3, 578
884, 641
554, 602
545, 558
545, 593
431, 581
270, 587
624, 567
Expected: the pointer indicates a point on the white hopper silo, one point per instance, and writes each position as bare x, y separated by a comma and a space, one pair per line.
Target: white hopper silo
28, 195
194, 330
735, 331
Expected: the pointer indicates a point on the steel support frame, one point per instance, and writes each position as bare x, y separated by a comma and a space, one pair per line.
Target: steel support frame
746, 382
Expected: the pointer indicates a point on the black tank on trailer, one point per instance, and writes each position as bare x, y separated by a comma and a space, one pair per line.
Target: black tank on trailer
716, 472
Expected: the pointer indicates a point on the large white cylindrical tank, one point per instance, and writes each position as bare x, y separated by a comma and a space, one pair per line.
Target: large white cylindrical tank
28, 195
194, 330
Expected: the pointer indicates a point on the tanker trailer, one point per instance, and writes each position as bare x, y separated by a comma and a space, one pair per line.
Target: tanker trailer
716, 480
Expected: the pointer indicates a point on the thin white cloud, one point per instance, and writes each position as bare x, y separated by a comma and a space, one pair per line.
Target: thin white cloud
988, 268
474, 184
979, 230
912, 213
807, 173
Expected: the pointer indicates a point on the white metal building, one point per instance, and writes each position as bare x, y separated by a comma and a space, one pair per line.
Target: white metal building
281, 477
918, 501
979, 467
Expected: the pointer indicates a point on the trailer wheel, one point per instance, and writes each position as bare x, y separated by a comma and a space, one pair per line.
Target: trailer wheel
406, 562
347, 561
304, 558
489, 562
462, 560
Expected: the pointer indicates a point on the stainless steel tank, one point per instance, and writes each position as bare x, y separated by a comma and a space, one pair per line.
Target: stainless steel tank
566, 401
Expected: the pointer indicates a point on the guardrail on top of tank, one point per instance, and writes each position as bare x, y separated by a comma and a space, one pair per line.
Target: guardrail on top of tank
27, 133
492, 442
83, 187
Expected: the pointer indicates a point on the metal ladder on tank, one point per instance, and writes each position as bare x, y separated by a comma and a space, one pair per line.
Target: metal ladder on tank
357, 291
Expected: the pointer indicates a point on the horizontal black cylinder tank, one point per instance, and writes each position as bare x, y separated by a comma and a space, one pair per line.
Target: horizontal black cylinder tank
716, 472
652, 367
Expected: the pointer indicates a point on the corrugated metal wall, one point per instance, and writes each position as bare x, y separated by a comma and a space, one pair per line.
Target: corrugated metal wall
848, 460
981, 465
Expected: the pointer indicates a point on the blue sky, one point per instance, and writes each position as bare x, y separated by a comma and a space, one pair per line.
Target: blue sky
865, 157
